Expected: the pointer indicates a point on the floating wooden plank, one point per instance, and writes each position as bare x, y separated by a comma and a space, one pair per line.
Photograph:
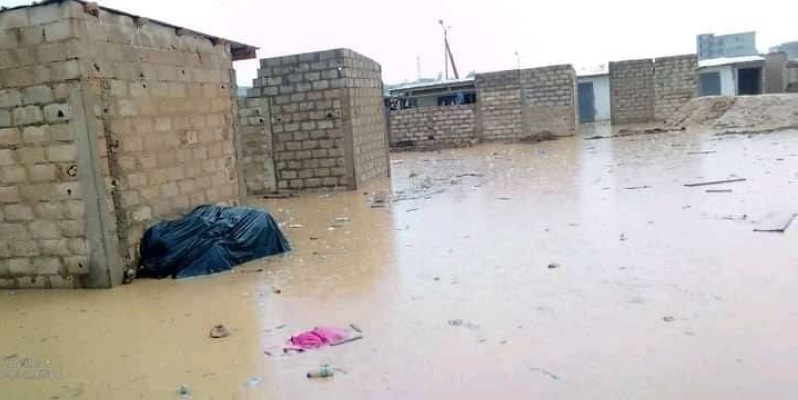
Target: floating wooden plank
722, 181
775, 221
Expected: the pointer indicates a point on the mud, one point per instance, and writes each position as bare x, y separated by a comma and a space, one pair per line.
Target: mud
657, 294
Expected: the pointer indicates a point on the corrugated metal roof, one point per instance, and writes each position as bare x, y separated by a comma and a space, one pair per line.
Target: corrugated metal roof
426, 85
717, 62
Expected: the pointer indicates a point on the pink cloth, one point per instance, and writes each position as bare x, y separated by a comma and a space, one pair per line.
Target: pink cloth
319, 336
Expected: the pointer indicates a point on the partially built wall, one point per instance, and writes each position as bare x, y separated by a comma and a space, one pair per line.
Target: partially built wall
549, 101
675, 83
326, 123
632, 91
433, 127
518, 103
108, 122
650, 90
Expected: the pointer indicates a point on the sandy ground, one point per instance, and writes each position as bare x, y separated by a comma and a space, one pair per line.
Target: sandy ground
662, 292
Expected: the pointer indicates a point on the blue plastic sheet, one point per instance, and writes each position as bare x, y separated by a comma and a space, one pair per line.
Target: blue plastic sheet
208, 240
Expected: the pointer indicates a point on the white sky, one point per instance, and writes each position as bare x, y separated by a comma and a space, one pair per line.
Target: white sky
484, 35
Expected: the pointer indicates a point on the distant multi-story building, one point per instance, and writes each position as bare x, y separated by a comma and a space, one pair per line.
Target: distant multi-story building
791, 48
741, 44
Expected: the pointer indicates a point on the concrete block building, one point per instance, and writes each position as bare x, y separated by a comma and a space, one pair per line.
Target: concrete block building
501, 105
314, 120
108, 121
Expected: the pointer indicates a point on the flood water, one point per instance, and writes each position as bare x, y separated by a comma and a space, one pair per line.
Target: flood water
662, 291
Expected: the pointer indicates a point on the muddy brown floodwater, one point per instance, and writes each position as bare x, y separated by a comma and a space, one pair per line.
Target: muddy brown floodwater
662, 291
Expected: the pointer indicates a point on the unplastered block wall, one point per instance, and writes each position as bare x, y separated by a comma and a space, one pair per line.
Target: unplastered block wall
327, 124
44, 241
114, 122
632, 91
549, 104
775, 75
256, 158
366, 111
164, 109
675, 83
499, 112
433, 126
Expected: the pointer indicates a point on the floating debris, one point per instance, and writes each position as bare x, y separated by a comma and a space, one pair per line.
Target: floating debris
718, 182
219, 331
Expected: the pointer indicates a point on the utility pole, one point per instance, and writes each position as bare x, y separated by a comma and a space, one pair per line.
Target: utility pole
518, 59
418, 67
447, 51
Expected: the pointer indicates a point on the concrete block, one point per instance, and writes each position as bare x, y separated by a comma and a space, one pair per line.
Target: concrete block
49, 210
77, 265
5, 118
55, 247
9, 137
62, 153
78, 247
35, 134
41, 172
72, 228
59, 30
9, 194
10, 98
18, 212
19, 266
43, 229
65, 70
54, 113
46, 265
12, 175
27, 115
141, 214
14, 19
37, 95
28, 155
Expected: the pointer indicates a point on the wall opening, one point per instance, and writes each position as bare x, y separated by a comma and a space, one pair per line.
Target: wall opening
709, 83
749, 81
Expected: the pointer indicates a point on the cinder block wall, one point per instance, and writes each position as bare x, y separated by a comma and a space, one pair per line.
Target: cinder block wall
166, 115
256, 153
115, 122
327, 120
632, 91
499, 113
431, 127
549, 100
43, 223
366, 111
675, 83
519, 103
775, 73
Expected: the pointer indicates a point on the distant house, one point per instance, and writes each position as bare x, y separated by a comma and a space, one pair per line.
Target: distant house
731, 76
432, 94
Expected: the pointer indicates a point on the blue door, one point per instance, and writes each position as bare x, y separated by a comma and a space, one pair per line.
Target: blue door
587, 102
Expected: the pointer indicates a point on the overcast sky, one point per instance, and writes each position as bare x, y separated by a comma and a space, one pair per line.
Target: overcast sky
484, 34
